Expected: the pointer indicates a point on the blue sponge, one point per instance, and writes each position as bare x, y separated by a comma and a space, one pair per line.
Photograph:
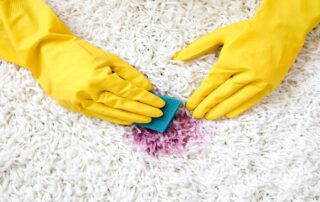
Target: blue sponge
161, 124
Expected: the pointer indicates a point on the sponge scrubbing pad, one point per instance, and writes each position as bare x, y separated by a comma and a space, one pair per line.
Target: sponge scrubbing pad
169, 110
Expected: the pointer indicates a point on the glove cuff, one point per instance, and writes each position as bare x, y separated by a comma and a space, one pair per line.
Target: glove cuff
300, 15
25, 26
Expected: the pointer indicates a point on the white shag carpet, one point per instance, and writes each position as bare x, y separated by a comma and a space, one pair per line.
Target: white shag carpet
272, 153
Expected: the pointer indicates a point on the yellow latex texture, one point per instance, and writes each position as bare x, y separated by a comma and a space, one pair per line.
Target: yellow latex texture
255, 57
79, 76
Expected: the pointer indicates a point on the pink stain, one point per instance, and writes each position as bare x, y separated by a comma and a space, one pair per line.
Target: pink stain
183, 129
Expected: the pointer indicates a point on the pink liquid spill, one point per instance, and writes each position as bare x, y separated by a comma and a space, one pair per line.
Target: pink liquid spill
183, 129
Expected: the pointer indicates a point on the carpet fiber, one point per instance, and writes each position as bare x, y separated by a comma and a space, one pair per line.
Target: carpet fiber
269, 154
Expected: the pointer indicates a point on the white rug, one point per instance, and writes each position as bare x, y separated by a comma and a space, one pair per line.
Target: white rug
272, 153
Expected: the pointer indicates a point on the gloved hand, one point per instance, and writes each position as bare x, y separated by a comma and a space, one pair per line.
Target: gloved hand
79, 76
255, 57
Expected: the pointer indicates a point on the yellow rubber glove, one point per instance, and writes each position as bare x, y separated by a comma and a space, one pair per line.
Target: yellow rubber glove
255, 57
79, 76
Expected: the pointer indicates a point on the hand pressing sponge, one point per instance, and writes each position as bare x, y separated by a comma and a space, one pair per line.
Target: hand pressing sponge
169, 110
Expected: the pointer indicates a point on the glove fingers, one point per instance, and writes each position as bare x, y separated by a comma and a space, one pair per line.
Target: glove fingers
107, 118
220, 94
104, 110
121, 103
248, 104
234, 101
214, 80
116, 85
127, 72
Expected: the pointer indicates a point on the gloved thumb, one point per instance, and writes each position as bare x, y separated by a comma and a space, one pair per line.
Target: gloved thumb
207, 43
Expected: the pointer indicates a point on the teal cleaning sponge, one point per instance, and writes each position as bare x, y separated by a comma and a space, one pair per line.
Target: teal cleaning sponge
169, 110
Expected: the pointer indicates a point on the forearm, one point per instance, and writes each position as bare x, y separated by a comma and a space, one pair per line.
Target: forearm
300, 14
